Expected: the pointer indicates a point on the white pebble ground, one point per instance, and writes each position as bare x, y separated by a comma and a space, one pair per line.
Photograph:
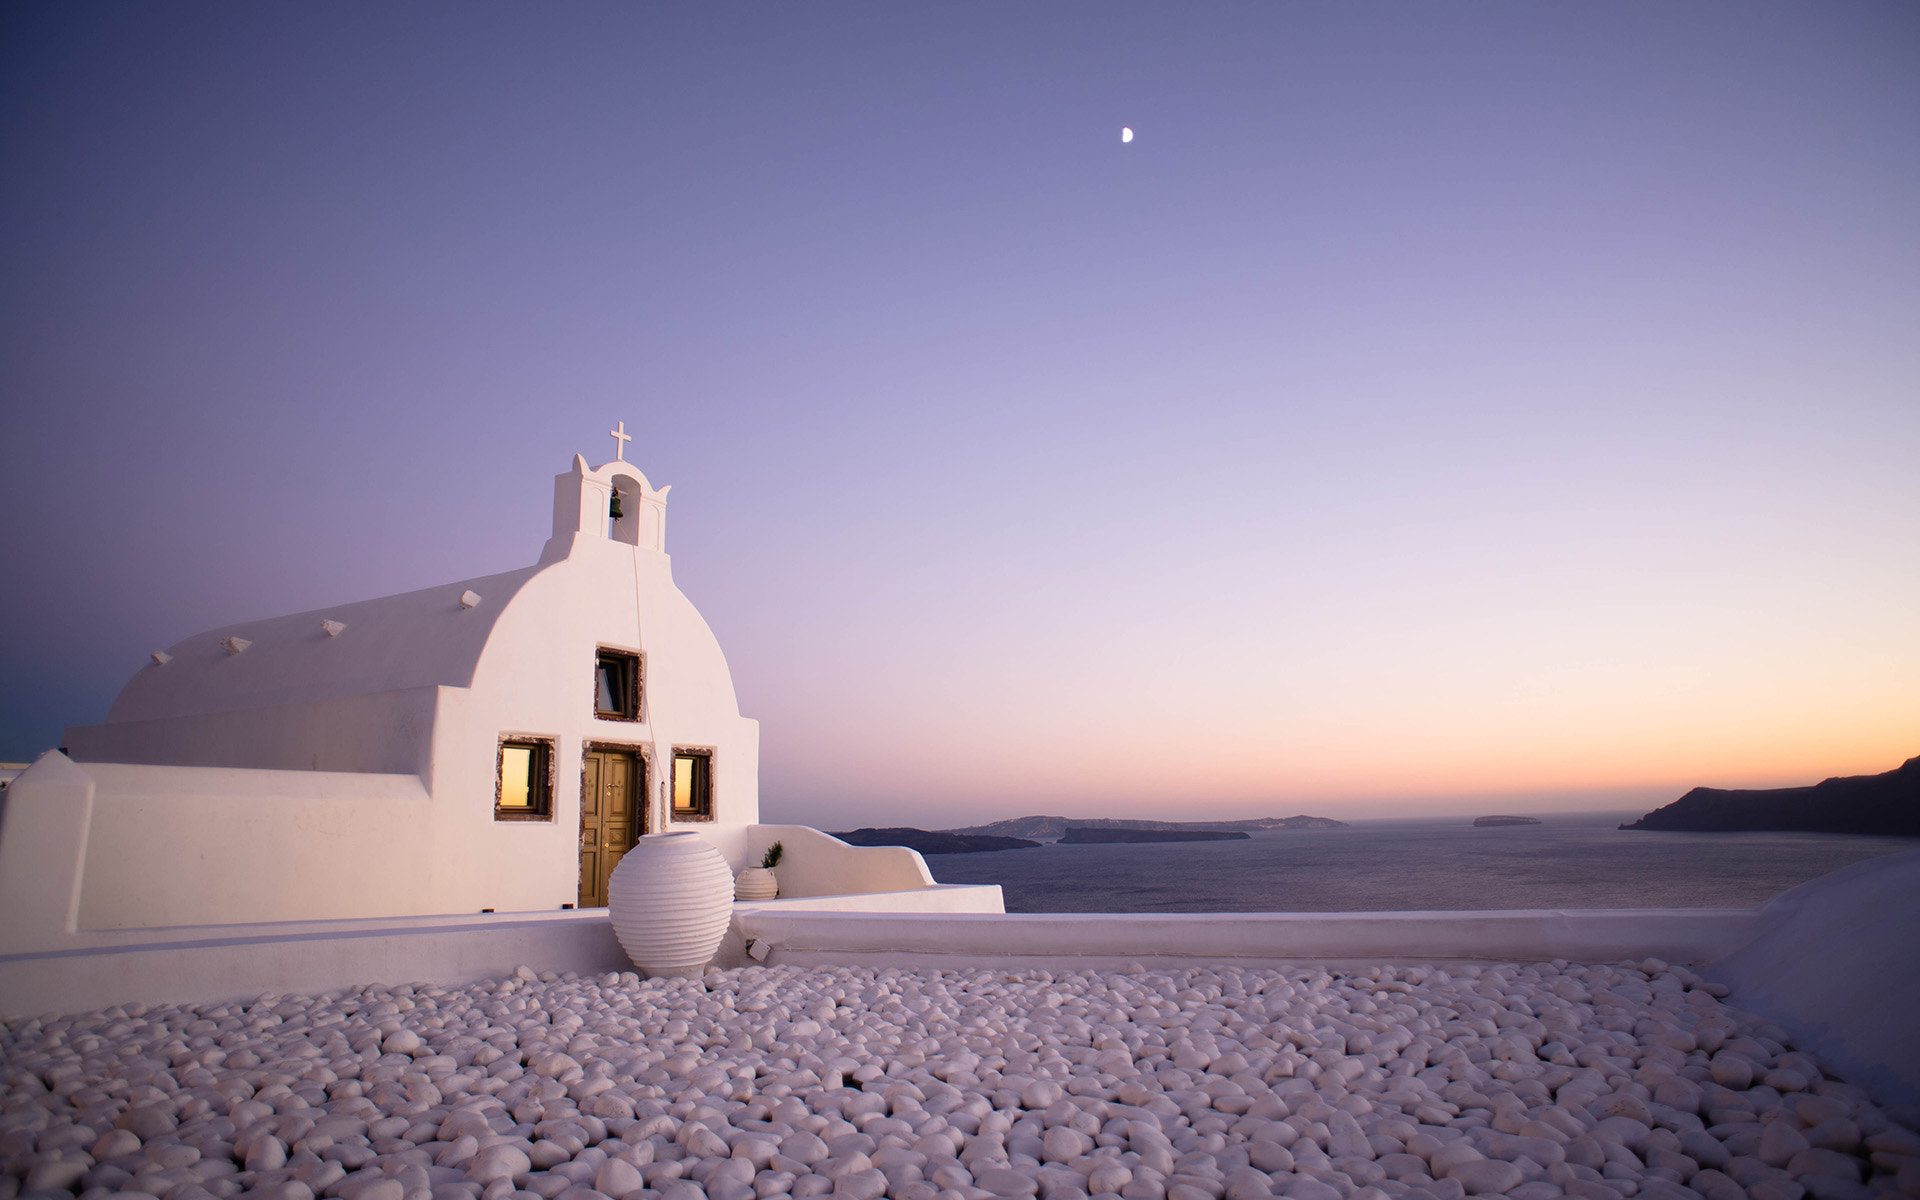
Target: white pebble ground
1529, 1081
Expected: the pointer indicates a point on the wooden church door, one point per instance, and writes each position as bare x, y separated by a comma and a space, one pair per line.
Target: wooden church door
610, 818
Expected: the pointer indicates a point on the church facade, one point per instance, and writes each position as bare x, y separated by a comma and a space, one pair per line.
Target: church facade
493, 744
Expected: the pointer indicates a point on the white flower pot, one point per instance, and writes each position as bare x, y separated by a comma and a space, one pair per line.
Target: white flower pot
671, 899
756, 883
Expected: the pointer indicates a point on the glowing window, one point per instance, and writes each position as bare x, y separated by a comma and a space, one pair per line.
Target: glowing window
692, 785
523, 787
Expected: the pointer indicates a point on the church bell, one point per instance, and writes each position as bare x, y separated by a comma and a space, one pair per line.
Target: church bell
613, 506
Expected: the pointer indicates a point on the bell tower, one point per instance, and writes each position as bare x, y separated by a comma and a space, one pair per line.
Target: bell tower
612, 501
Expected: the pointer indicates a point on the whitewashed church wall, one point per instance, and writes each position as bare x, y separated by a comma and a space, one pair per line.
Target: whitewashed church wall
381, 733
478, 861
536, 679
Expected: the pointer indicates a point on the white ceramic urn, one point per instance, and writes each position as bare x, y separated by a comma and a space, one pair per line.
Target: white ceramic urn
756, 883
671, 899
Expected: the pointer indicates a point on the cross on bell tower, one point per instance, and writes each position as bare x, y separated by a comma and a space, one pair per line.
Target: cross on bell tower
620, 438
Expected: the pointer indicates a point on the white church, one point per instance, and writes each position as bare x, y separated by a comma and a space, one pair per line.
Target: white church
493, 745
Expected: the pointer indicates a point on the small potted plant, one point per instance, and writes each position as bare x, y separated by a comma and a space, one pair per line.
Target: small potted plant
760, 883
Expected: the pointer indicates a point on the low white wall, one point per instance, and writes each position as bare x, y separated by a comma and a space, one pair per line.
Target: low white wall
219, 962
1091, 939
1836, 962
937, 898
223, 962
45, 815
203, 845
813, 863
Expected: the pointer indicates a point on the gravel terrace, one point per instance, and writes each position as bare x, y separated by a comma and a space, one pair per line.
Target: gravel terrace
1531, 1081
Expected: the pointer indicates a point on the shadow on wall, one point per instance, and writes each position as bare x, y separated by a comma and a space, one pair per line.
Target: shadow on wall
1837, 964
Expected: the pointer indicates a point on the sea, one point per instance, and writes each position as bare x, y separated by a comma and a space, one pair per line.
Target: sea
1579, 860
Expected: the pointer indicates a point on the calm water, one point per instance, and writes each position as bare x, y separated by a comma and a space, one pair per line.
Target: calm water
1571, 861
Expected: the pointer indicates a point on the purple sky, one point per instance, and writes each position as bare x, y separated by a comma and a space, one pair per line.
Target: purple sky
1435, 408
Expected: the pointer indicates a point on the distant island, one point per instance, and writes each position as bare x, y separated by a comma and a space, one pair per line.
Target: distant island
1484, 822
928, 841
1079, 835
1056, 827
1887, 804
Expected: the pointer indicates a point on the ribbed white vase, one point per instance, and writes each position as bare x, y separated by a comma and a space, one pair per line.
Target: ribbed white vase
671, 899
756, 883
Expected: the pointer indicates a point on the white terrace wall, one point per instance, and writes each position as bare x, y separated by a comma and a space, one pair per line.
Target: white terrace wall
1836, 961
184, 846
806, 936
813, 863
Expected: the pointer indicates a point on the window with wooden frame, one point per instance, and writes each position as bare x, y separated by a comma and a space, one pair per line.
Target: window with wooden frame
692, 784
616, 685
523, 780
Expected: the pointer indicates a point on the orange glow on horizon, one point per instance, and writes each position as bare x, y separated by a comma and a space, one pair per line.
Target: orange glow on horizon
1187, 767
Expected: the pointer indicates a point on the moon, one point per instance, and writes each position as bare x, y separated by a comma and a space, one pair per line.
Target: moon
1126, 134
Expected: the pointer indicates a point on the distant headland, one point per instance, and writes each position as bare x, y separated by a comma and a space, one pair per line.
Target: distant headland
1887, 804
1484, 822
933, 841
1079, 835
1056, 827
1021, 832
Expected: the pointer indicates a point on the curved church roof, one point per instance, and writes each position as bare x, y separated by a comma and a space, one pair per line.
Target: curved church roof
416, 639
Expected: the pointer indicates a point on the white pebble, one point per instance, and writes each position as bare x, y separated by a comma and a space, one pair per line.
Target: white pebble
617, 1177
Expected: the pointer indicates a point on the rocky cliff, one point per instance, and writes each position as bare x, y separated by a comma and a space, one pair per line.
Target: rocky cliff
1888, 804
